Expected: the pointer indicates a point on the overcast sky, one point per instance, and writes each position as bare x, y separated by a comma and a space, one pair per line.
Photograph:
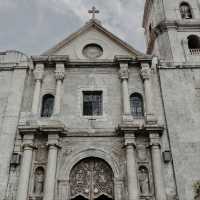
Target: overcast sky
33, 26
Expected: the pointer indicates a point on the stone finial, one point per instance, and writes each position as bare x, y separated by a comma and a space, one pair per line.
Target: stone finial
145, 71
94, 11
123, 72
60, 72
39, 72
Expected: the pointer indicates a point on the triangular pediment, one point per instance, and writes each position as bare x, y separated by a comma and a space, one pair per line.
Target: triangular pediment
93, 33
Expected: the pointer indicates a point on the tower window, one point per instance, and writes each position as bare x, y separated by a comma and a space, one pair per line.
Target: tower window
185, 11
194, 42
136, 102
47, 105
92, 103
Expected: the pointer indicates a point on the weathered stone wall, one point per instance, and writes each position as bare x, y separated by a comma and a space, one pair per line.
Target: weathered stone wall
12, 78
181, 95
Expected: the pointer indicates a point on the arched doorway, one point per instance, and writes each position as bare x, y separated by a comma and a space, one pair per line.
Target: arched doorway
91, 179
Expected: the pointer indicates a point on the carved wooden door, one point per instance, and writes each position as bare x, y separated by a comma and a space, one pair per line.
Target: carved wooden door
91, 178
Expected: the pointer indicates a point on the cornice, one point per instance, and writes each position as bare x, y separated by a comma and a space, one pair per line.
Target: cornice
131, 128
177, 24
49, 128
50, 59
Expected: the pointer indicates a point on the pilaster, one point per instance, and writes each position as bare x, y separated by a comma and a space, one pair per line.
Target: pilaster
38, 75
28, 147
59, 75
53, 145
146, 74
124, 75
157, 166
130, 145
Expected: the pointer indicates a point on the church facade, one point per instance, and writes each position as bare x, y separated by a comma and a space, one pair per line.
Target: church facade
94, 119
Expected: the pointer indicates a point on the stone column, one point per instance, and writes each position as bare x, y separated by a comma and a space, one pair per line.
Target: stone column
59, 74
146, 76
186, 49
38, 75
25, 170
126, 99
157, 167
133, 191
49, 188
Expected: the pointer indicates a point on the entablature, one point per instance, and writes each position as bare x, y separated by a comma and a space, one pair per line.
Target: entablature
190, 25
70, 63
50, 127
137, 129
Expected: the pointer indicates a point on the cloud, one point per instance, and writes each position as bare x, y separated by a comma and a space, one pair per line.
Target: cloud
32, 26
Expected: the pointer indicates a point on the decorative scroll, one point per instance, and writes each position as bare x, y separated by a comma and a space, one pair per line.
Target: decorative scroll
91, 178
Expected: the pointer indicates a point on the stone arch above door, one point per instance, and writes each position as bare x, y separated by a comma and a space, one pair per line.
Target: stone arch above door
76, 156
92, 179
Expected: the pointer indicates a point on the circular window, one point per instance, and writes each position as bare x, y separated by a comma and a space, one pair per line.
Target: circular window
92, 51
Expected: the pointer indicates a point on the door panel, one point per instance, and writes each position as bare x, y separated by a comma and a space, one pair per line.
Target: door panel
91, 178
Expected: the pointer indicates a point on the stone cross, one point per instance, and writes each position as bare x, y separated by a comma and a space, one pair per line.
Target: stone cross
93, 12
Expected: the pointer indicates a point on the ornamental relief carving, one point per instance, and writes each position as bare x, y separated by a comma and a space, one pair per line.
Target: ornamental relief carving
91, 178
124, 71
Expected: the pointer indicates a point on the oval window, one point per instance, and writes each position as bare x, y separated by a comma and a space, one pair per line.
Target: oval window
92, 51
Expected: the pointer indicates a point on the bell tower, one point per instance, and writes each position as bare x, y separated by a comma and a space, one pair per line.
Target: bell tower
172, 29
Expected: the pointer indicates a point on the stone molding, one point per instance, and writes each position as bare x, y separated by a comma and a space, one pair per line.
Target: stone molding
83, 153
50, 59
52, 128
148, 129
164, 25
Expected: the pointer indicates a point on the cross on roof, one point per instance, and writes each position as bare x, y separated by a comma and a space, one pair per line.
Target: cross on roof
94, 11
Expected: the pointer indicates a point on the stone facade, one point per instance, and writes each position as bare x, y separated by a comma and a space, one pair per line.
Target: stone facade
142, 144
172, 23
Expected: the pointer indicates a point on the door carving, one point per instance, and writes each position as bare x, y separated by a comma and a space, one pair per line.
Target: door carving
92, 179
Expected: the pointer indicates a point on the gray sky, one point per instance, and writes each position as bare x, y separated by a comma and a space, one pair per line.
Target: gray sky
33, 26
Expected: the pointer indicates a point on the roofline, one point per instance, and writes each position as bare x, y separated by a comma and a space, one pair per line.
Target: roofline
92, 23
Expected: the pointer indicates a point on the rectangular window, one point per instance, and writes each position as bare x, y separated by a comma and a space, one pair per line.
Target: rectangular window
92, 103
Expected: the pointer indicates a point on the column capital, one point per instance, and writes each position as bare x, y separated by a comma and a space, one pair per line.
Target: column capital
53, 140
124, 71
27, 146
155, 140
60, 71
145, 71
129, 139
28, 142
39, 71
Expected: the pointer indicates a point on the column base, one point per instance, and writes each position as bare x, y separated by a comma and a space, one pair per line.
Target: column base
127, 118
151, 119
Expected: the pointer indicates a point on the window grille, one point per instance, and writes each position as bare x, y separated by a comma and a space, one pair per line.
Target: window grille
47, 105
136, 105
92, 103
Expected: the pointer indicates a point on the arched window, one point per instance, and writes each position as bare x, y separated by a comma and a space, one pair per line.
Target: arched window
47, 105
193, 42
185, 11
136, 102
